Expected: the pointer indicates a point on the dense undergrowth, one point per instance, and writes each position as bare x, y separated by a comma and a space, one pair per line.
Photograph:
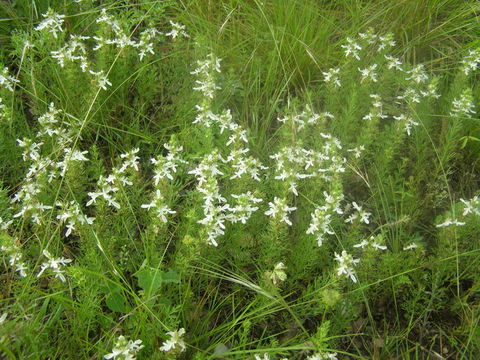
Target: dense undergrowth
239, 179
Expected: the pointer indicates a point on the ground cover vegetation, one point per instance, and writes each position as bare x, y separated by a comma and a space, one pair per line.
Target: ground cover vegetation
196, 179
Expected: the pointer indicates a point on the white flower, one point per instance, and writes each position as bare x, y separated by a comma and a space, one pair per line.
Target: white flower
265, 357
417, 74
101, 79
131, 160
357, 151
472, 206
386, 41
52, 22
450, 222
4, 225
320, 224
158, 205
72, 214
177, 29
15, 257
374, 242
471, 61
332, 76
166, 166
206, 78
393, 63
244, 208
279, 210
407, 121
463, 106
323, 356
55, 264
369, 36
7, 80
411, 246
369, 73
346, 265
175, 342
125, 350
352, 48
360, 213
75, 51
431, 91
278, 273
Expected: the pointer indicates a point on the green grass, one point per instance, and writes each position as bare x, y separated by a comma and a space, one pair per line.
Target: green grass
136, 275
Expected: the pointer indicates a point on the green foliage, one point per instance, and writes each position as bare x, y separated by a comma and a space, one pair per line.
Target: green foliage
310, 195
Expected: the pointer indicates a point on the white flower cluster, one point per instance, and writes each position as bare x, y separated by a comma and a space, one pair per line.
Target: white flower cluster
411, 246
393, 63
44, 169
177, 31
450, 222
27, 195
352, 48
100, 79
471, 206
346, 264
279, 210
244, 207
166, 166
369, 73
176, 342
332, 76
74, 50
376, 112
206, 84
6, 80
239, 162
107, 187
321, 217
125, 350
72, 215
323, 356
294, 163
13, 251
470, 62
358, 213
55, 264
159, 207
417, 74
306, 117
464, 105
214, 204
206, 77
244, 165
15, 258
63, 133
375, 242
48, 122
32, 185
278, 273
367, 39
52, 22
207, 168
121, 40
407, 122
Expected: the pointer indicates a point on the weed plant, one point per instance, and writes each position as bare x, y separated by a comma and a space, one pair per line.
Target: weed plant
239, 179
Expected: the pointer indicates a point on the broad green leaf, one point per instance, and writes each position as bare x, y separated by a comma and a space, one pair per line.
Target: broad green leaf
116, 302
150, 280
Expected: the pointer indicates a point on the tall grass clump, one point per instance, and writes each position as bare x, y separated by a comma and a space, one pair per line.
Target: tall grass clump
239, 180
